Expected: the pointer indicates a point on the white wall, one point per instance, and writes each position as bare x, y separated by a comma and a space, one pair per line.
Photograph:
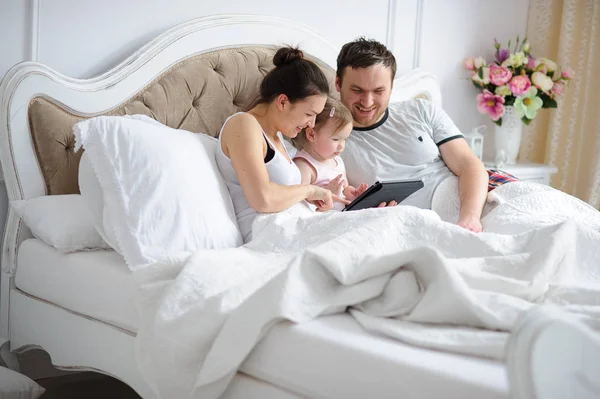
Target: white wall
84, 38
453, 30
14, 33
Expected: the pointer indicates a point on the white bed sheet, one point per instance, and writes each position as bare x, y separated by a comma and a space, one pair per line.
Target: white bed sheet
97, 284
334, 357
330, 357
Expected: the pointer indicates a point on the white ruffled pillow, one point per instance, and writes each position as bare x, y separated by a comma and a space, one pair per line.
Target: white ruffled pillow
91, 192
18, 386
61, 221
164, 197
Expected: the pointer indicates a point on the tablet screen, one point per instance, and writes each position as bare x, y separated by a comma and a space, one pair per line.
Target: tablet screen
397, 190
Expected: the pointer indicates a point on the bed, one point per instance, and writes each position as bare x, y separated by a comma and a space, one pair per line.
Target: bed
79, 306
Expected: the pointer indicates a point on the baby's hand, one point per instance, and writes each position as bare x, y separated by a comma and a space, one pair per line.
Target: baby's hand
337, 185
351, 193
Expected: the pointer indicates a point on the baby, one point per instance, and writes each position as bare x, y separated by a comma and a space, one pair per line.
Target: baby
319, 149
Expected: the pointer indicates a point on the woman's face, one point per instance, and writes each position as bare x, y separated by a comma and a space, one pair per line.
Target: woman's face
296, 116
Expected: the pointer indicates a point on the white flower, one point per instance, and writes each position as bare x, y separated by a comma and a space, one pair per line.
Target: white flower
551, 65
503, 91
479, 62
542, 81
515, 60
486, 77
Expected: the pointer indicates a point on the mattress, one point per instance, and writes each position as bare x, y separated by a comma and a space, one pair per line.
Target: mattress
329, 357
97, 284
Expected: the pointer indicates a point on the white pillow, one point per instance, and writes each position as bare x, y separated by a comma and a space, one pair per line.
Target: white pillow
91, 192
61, 221
17, 386
163, 194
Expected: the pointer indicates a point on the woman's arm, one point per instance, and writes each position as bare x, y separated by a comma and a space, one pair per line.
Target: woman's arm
243, 142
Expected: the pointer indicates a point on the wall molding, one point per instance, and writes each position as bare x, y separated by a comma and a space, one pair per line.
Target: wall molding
390, 35
34, 29
418, 30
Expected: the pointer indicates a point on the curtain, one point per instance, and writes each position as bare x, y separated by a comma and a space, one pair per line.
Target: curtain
568, 32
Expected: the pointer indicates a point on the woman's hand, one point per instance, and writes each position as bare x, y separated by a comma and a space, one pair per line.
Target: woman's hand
323, 199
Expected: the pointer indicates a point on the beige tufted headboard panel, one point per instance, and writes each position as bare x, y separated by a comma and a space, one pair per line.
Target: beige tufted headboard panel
196, 94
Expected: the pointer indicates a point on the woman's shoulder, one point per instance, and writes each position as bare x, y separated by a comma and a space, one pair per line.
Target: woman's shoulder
242, 121
242, 118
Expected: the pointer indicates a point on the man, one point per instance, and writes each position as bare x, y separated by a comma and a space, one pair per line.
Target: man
411, 139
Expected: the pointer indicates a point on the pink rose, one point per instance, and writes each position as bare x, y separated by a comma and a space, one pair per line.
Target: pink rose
558, 88
469, 63
499, 75
489, 103
519, 85
567, 73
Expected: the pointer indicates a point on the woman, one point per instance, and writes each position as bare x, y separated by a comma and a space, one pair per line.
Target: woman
252, 158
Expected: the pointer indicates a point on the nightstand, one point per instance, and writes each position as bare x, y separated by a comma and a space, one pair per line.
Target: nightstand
534, 172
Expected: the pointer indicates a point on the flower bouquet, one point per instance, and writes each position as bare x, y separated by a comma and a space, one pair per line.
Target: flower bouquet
516, 78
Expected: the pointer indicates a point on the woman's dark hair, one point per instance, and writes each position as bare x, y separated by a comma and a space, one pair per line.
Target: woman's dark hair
294, 76
363, 53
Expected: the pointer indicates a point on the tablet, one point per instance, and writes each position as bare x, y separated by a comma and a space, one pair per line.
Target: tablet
397, 190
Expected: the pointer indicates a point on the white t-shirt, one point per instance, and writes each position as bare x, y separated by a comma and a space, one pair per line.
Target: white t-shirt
403, 145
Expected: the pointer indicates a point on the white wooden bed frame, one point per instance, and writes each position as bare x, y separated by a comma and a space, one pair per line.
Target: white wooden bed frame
75, 341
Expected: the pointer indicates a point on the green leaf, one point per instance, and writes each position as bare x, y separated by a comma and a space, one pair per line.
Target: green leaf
478, 87
498, 122
480, 73
547, 102
509, 100
526, 121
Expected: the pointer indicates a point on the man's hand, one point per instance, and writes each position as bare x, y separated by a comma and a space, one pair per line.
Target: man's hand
391, 203
472, 182
351, 193
471, 223
337, 185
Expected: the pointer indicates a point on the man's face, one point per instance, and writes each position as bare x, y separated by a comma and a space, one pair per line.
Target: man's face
366, 92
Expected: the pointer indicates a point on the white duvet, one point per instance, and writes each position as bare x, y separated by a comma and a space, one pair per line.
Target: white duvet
401, 271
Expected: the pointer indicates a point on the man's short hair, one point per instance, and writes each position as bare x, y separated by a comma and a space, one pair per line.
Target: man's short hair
363, 53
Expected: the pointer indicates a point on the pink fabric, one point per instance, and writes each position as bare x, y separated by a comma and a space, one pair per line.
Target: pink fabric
325, 173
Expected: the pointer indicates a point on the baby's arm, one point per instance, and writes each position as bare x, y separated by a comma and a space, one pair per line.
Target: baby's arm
306, 170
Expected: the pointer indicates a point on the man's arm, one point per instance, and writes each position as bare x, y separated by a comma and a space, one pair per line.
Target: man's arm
472, 181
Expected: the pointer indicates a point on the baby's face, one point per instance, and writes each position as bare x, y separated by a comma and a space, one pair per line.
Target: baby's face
329, 143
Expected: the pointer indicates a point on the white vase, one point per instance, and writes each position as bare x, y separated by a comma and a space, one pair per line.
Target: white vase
507, 138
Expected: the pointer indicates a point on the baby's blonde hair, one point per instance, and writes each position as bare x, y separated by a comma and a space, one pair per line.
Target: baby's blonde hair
334, 112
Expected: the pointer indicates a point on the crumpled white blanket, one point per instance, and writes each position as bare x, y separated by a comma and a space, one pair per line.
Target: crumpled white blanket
400, 271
